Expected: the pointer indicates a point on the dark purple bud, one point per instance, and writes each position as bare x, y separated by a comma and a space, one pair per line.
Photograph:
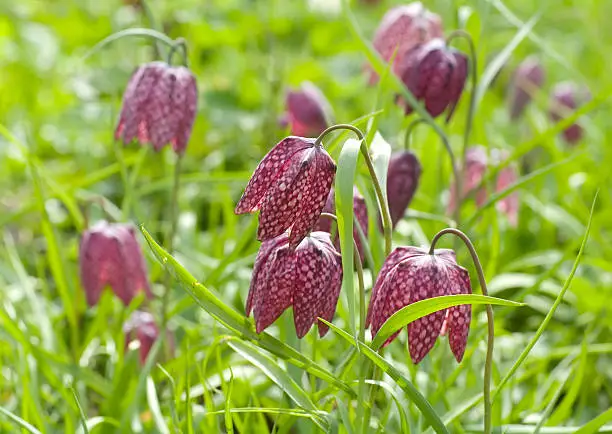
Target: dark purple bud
308, 278
528, 78
159, 106
566, 98
402, 28
109, 255
476, 163
308, 111
411, 274
435, 74
360, 212
141, 327
402, 181
290, 186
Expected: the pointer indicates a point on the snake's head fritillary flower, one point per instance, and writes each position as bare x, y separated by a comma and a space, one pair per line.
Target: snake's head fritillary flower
159, 106
567, 97
360, 213
109, 255
507, 176
290, 186
529, 76
435, 74
308, 278
403, 27
402, 181
411, 274
141, 327
476, 163
308, 111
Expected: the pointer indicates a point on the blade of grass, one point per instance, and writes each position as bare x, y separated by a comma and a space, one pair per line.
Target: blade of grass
153, 401
19, 421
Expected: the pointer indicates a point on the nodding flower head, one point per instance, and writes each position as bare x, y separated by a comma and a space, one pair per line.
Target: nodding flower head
290, 186
411, 274
435, 74
401, 29
476, 163
141, 327
528, 77
109, 255
402, 181
308, 111
360, 212
308, 278
159, 106
567, 97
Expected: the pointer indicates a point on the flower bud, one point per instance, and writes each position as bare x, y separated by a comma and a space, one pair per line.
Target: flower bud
308, 111
141, 327
528, 77
402, 181
566, 97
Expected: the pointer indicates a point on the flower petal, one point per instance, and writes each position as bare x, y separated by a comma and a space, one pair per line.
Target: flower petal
313, 194
456, 81
402, 182
187, 94
459, 317
259, 276
133, 261
271, 168
128, 100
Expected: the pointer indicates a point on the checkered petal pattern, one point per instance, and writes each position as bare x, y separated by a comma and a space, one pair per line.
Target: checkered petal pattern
402, 181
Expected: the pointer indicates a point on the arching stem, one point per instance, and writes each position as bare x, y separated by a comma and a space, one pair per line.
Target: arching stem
491, 326
141, 32
182, 44
451, 155
470, 114
382, 203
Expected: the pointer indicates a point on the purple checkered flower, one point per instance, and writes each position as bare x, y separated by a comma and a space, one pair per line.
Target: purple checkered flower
402, 181
567, 97
528, 76
308, 278
411, 274
159, 106
402, 28
308, 111
141, 327
435, 74
290, 186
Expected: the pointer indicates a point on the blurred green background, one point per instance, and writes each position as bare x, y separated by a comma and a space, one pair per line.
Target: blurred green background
60, 170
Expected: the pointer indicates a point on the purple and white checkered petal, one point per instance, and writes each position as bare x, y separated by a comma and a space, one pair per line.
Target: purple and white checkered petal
313, 194
164, 109
402, 181
187, 111
275, 288
269, 170
283, 200
134, 262
457, 81
128, 99
427, 278
259, 274
458, 317
334, 265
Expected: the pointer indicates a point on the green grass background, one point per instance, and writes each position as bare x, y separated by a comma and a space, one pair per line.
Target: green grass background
62, 364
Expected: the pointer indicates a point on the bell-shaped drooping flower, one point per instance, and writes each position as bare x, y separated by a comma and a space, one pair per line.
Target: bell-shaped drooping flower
290, 186
507, 176
567, 97
476, 163
402, 181
528, 77
141, 327
159, 106
360, 214
109, 255
411, 274
308, 111
435, 74
308, 278
402, 28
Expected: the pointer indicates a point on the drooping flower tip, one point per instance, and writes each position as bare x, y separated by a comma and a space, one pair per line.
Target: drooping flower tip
411, 274
402, 181
435, 74
290, 186
567, 97
528, 77
360, 212
402, 28
159, 107
308, 111
308, 278
109, 255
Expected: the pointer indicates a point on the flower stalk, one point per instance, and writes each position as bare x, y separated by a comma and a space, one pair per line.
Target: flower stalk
490, 320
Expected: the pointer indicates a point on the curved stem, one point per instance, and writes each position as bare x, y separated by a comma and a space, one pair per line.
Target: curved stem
148, 33
382, 203
470, 114
491, 326
409, 130
148, 13
182, 44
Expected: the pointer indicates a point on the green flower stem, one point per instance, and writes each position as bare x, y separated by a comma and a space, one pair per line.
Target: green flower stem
182, 44
451, 154
142, 32
490, 323
382, 203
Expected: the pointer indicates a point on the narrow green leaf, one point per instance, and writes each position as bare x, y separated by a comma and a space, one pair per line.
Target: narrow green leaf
422, 308
409, 389
153, 401
81, 412
19, 421
595, 425
229, 423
